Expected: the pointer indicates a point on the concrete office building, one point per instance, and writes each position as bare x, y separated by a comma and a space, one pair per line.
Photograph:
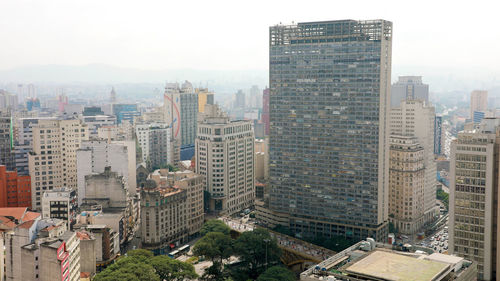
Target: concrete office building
416, 118
6, 141
329, 108
52, 162
478, 102
406, 184
60, 203
172, 212
155, 142
94, 156
474, 184
225, 157
409, 88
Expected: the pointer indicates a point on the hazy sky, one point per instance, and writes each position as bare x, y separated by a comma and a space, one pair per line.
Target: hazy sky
441, 35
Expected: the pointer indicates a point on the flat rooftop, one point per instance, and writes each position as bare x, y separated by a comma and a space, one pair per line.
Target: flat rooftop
396, 267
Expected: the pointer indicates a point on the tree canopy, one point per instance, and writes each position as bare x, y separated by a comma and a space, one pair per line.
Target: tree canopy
214, 225
215, 246
255, 248
141, 265
277, 273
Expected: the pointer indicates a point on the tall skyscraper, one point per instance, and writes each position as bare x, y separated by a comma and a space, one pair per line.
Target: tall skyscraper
204, 97
189, 120
6, 142
409, 88
416, 118
329, 110
112, 95
478, 102
52, 161
406, 184
225, 157
474, 183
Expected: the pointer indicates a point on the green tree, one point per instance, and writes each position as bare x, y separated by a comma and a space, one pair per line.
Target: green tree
141, 265
214, 225
277, 273
173, 270
256, 248
215, 245
127, 267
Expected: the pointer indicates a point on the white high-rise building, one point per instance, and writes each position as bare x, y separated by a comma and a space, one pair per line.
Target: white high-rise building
94, 156
155, 142
225, 156
416, 118
52, 161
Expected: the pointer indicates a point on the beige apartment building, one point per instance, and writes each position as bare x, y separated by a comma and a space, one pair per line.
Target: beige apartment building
406, 184
478, 102
52, 161
416, 118
473, 199
225, 157
171, 212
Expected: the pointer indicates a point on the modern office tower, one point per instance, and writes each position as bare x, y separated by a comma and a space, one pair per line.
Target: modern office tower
416, 118
438, 133
172, 212
112, 95
60, 203
409, 88
254, 97
265, 110
15, 190
204, 97
225, 157
478, 102
189, 120
97, 121
406, 184
155, 142
6, 142
94, 156
125, 112
473, 196
329, 108
52, 161
172, 107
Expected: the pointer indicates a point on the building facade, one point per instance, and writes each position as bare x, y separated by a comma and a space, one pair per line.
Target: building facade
15, 190
155, 142
416, 118
438, 135
409, 88
473, 199
225, 157
265, 110
52, 161
94, 156
329, 105
406, 184
60, 203
204, 97
6, 142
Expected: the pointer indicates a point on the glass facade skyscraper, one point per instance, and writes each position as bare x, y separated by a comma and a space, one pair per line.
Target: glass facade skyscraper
329, 106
